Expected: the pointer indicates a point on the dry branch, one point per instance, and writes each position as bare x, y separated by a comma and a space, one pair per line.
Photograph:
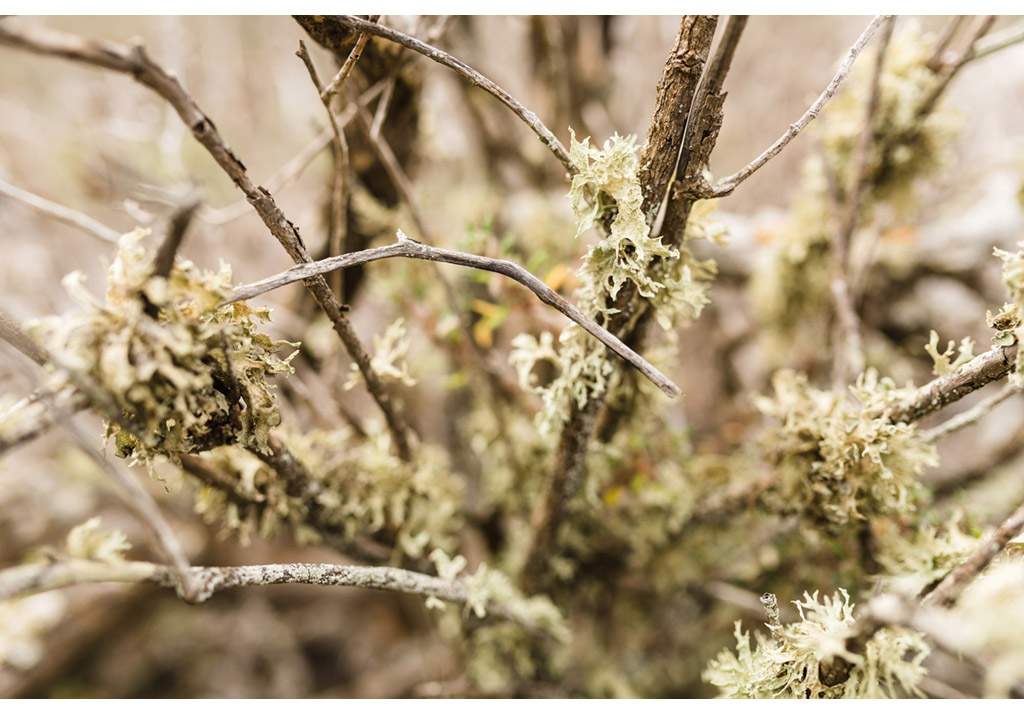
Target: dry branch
949, 589
983, 369
729, 184
133, 60
847, 346
676, 88
61, 213
24, 579
407, 248
469, 73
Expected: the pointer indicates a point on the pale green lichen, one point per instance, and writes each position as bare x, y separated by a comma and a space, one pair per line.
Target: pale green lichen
788, 665
388, 361
944, 363
606, 192
362, 489
91, 542
992, 607
838, 460
188, 379
914, 563
1008, 322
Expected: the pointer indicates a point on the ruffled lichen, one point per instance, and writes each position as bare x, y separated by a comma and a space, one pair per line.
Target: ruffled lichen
186, 372
1008, 322
606, 192
360, 488
795, 662
913, 564
838, 460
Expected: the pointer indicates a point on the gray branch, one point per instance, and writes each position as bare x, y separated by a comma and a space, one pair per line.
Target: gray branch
407, 248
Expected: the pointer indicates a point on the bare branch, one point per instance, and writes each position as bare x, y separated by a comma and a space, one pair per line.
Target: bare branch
949, 70
971, 415
983, 369
676, 89
936, 61
287, 173
847, 347
729, 184
61, 213
406, 248
949, 589
469, 73
164, 260
134, 61
335, 85
998, 41
340, 189
38, 577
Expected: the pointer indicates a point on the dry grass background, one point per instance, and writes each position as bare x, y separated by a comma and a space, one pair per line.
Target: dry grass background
108, 147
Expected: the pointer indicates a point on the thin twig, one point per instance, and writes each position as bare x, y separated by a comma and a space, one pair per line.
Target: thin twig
937, 58
11, 333
949, 589
296, 165
134, 62
469, 73
971, 415
407, 248
998, 41
949, 70
164, 261
335, 85
339, 191
847, 347
729, 184
61, 213
38, 577
148, 512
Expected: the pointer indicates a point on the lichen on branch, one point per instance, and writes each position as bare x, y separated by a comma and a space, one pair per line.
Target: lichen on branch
838, 460
185, 372
790, 665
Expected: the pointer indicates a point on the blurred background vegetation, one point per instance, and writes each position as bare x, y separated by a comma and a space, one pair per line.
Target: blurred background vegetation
104, 145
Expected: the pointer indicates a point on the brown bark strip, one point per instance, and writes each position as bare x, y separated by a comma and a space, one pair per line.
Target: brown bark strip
676, 89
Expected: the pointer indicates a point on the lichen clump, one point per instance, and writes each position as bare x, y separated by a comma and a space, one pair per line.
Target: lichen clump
360, 489
185, 372
838, 460
799, 661
1008, 322
606, 191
